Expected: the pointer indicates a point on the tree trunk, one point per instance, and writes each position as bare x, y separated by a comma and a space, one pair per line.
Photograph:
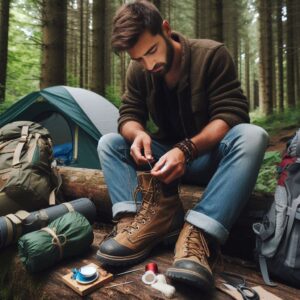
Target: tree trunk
247, 72
98, 48
80, 182
202, 18
297, 50
231, 32
280, 80
108, 55
217, 18
4, 24
266, 62
73, 36
197, 19
87, 44
291, 101
81, 46
54, 43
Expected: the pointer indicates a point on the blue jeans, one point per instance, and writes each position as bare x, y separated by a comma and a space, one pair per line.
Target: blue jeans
229, 172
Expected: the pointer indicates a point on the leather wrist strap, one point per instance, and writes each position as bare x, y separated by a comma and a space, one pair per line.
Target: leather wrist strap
188, 148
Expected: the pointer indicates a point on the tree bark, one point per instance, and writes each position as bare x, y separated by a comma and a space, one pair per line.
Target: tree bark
291, 101
54, 43
4, 25
297, 50
80, 182
247, 71
98, 48
81, 46
230, 31
266, 55
280, 80
87, 44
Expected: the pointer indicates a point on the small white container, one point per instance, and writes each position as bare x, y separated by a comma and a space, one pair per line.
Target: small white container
88, 271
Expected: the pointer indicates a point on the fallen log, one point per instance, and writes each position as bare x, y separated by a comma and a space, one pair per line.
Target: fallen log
90, 183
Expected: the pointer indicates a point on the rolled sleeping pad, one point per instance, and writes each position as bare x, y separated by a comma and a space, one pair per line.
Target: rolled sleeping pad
13, 226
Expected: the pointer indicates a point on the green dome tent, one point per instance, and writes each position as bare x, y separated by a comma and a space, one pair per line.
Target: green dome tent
75, 117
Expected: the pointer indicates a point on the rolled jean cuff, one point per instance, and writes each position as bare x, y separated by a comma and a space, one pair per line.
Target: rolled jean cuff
124, 207
208, 225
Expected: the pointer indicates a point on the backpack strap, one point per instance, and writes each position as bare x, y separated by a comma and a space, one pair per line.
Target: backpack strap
10, 232
15, 219
264, 232
52, 197
69, 206
264, 271
292, 215
22, 142
298, 143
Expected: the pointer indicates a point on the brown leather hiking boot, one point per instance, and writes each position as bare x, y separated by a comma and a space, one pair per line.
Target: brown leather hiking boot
191, 261
122, 222
159, 219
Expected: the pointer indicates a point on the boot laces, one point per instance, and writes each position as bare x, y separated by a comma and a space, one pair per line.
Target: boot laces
195, 245
118, 227
149, 195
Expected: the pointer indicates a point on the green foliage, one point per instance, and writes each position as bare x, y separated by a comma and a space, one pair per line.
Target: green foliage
23, 50
5, 105
277, 121
113, 93
266, 181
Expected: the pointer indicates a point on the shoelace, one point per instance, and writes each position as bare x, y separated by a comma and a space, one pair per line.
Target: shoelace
192, 248
115, 229
146, 207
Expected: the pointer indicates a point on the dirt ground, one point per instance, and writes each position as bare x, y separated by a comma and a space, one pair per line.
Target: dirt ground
278, 140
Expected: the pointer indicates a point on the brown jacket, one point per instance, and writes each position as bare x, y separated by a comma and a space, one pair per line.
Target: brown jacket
208, 89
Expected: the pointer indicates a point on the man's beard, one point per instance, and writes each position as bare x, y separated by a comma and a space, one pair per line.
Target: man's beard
169, 58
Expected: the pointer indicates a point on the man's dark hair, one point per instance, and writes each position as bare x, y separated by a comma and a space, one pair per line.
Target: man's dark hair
131, 20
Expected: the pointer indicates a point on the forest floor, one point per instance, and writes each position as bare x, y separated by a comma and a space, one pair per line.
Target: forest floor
279, 139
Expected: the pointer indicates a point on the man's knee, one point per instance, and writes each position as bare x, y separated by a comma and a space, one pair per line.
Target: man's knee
252, 136
110, 141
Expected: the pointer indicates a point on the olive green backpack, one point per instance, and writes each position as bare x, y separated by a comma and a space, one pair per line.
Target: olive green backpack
27, 171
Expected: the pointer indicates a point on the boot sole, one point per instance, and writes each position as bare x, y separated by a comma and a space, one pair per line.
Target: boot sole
190, 277
117, 261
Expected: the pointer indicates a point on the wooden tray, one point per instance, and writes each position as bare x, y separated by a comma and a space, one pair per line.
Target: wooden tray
84, 289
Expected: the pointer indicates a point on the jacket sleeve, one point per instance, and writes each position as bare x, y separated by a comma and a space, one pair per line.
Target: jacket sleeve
133, 106
226, 99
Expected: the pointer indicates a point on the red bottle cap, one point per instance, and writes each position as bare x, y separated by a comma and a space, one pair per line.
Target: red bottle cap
152, 267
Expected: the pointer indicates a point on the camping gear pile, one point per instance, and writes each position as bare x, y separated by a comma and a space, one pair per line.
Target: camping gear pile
13, 226
76, 119
67, 236
277, 239
28, 175
26, 163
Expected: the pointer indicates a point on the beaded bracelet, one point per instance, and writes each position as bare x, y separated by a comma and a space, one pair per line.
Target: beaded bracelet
188, 148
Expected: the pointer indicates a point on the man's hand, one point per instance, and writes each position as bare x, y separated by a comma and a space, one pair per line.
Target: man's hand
170, 166
140, 149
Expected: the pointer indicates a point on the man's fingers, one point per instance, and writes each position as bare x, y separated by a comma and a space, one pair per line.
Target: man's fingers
159, 165
136, 153
147, 150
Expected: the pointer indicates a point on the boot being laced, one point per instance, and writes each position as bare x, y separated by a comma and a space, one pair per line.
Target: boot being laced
149, 196
159, 219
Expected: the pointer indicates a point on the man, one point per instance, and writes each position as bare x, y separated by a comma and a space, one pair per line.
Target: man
190, 91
